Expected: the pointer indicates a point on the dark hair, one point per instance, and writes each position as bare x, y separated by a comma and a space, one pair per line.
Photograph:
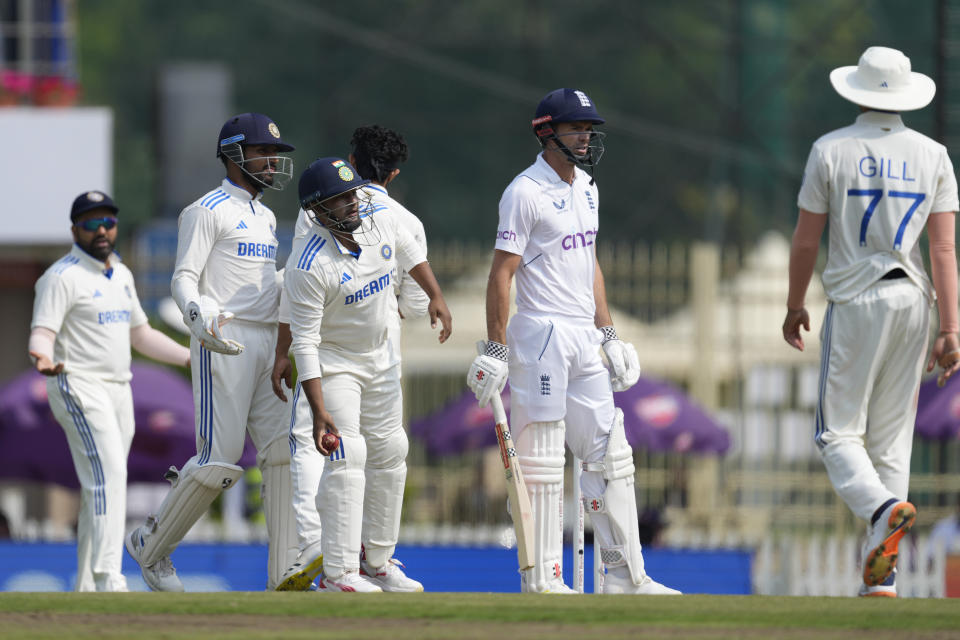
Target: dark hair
377, 151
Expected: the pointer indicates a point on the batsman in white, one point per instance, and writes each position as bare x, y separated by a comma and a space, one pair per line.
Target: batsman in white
86, 316
376, 154
226, 270
339, 284
878, 184
559, 385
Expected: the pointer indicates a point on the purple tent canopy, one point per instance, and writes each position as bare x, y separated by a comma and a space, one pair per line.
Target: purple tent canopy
33, 445
657, 416
938, 410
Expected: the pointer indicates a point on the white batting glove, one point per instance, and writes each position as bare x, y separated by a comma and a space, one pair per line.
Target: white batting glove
622, 360
205, 320
488, 373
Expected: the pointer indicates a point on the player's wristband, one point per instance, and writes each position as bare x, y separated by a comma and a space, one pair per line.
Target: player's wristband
497, 350
609, 333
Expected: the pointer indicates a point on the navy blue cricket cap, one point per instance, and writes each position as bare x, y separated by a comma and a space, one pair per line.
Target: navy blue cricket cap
566, 105
251, 128
327, 178
89, 201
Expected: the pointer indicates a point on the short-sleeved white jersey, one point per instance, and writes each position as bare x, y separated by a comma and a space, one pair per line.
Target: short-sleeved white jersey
878, 181
227, 250
553, 226
91, 309
342, 304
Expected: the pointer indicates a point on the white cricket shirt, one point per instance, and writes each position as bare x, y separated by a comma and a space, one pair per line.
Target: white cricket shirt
227, 249
342, 304
878, 181
91, 309
553, 226
412, 300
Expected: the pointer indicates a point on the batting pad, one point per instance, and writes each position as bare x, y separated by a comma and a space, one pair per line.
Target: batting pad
194, 488
277, 494
340, 504
614, 513
541, 454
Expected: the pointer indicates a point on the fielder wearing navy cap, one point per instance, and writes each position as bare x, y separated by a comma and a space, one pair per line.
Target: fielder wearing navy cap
327, 178
246, 130
251, 128
89, 201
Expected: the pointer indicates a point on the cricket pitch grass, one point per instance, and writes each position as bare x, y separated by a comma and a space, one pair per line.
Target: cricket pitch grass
464, 616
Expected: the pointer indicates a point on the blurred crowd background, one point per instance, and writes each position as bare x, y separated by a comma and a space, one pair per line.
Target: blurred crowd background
711, 108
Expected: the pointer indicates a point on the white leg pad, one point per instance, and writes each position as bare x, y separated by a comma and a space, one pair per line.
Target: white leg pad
614, 513
540, 451
386, 476
194, 488
277, 494
340, 504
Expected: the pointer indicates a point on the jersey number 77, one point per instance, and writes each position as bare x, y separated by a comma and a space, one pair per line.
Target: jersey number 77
875, 196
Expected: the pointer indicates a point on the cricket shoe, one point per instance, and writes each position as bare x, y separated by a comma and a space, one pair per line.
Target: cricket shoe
555, 585
301, 575
349, 581
883, 540
886, 590
390, 577
160, 576
612, 583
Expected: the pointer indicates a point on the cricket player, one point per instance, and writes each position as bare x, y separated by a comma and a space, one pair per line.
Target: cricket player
376, 154
878, 184
86, 316
226, 271
340, 278
559, 385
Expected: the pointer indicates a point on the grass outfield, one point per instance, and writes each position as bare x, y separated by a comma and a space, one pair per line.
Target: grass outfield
239, 615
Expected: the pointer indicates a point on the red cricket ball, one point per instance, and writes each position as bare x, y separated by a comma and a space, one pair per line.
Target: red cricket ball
329, 441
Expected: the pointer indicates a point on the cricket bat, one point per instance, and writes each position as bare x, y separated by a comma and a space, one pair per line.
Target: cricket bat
520, 509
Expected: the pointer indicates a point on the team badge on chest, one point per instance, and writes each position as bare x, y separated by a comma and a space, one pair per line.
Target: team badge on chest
386, 251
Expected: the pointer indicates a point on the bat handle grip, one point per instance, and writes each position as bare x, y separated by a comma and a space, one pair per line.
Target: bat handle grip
499, 414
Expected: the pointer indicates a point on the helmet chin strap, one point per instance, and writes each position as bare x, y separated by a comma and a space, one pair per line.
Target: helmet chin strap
586, 161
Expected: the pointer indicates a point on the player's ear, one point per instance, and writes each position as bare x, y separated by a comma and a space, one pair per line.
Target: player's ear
393, 173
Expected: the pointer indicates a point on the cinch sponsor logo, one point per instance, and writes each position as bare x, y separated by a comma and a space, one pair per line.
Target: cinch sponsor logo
110, 317
506, 235
257, 250
372, 287
578, 240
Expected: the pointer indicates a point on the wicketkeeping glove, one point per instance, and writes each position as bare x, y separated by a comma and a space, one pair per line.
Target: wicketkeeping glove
205, 320
622, 360
488, 373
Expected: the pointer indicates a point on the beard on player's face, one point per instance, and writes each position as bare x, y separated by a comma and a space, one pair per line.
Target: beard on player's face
98, 244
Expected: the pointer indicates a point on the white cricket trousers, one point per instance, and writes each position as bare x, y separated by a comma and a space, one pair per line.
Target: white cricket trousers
97, 417
872, 358
360, 494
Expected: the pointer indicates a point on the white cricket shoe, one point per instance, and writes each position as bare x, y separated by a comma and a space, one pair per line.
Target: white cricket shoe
301, 575
883, 541
613, 583
350, 581
160, 576
554, 586
390, 577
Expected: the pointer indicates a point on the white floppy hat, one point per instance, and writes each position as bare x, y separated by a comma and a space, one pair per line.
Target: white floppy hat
883, 80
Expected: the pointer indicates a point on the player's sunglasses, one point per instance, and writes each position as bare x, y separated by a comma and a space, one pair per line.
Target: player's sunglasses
108, 222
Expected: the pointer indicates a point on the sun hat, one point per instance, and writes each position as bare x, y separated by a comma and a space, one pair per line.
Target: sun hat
883, 80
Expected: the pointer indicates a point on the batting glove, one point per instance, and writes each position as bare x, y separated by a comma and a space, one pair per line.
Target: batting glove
205, 320
488, 373
622, 360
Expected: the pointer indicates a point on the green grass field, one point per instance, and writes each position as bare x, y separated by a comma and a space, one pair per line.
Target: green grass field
239, 615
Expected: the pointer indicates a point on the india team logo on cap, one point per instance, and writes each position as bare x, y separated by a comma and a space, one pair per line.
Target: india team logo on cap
274, 131
344, 170
94, 196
